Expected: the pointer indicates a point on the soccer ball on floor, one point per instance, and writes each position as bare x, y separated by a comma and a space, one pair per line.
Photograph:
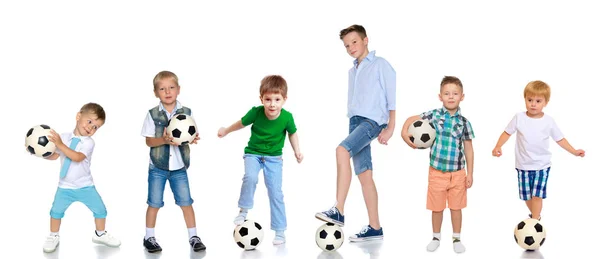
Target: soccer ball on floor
182, 128
37, 141
248, 235
530, 234
422, 133
329, 237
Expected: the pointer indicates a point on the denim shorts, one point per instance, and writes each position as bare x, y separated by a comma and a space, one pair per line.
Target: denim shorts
358, 142
178, 180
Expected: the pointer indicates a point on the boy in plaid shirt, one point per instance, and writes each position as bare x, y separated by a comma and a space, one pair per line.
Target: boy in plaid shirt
532, 154
451, 153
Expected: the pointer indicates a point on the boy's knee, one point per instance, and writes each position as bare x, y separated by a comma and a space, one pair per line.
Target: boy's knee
57, 215
341, 150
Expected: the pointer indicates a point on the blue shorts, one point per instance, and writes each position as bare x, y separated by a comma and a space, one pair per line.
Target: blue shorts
358, 142
86, 195
532, 183
178, 180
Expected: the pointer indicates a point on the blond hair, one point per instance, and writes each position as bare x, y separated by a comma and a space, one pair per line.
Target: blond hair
537, 88
94, 108
163, 75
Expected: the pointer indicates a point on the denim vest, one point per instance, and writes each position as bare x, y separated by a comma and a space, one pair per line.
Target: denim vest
160, 155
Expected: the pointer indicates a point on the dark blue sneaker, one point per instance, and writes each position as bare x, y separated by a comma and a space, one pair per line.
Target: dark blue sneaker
332, 215
367, 234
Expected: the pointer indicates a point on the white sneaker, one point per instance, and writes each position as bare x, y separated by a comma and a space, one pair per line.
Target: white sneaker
106, 239
51, 243
433, 245
278, 240
240, 218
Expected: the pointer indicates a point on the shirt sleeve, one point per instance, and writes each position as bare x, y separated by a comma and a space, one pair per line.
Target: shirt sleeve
428, 115
148, 130
290, 127
468, 132
555, 132
511, 128
387, 77
250, 116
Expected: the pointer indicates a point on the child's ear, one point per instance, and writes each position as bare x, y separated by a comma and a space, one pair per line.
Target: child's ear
462, 97
78, 116
440, 96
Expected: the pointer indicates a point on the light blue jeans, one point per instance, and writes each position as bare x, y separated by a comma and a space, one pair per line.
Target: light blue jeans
272, 170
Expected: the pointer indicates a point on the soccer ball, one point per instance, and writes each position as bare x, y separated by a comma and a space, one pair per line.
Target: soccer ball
248, 235
37, 141
422, 133
329, 237
182, 128
530, 234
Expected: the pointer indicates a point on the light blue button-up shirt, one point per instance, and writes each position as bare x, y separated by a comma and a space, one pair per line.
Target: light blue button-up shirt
372, 89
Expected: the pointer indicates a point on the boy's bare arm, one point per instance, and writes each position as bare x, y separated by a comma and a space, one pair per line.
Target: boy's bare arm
501, 140
470, 157
54, 156
566, 146
296, 146
235, 126
388, 132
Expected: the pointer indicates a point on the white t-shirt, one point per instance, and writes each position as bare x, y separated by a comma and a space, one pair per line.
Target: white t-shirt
149, 129
79, 174
532, 149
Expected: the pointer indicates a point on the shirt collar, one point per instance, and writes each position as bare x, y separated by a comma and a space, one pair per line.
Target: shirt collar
457, 113
369, 57
72, 136
162, 108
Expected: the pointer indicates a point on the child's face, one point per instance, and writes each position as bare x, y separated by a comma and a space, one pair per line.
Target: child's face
451, 95
167, 91
273, 103
355, 46
87, 124
535, 105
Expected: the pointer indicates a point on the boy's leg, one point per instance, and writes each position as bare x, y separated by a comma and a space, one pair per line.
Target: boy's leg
362, 163
437, 196
344, 177
252, 166
157, 180
90, 197
180, 186
538, 191
273, 171
62, 200
457, 200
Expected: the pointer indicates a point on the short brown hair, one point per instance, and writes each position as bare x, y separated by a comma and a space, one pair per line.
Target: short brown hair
357, 28
94, 108
451, 80
537, 88
273, 84
165, 74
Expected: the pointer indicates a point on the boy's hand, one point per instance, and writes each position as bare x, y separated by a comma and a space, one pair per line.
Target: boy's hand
168, 139
406, 138
497, 151
196, 138
55, 138
384, 136
579, 152
469, 181
222, 132
299, 157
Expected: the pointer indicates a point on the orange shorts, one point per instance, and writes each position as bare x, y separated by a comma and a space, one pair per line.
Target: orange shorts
450, 187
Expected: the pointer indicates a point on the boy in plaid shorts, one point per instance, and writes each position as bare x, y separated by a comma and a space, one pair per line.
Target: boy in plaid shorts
450, 154
532, 154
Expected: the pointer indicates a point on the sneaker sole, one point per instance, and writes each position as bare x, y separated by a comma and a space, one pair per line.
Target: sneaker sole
365, 239
323, 217
102, 243
199, 249
51, 250
154, 250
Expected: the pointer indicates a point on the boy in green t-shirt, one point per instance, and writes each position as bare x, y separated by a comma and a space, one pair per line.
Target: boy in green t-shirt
269, 122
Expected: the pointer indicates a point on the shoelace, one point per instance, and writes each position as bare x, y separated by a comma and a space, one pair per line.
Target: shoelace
152, 241
194, 240
331, 211
364, 230
50, 239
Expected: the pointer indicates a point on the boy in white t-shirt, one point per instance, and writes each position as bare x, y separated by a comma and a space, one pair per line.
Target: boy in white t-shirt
532, 153
75, 183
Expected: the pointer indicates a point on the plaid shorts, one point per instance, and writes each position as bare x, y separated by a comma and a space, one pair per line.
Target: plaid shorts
532, 183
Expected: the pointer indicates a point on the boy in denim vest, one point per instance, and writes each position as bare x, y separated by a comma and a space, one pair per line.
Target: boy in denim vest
168, 161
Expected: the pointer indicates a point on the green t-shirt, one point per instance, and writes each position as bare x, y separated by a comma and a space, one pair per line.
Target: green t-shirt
268, 136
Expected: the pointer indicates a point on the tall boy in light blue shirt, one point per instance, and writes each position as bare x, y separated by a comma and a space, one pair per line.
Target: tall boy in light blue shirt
372, 112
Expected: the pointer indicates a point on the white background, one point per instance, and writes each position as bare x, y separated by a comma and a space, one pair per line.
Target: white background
56, 56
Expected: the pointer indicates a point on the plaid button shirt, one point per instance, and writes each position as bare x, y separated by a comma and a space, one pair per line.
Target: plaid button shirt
447, 151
